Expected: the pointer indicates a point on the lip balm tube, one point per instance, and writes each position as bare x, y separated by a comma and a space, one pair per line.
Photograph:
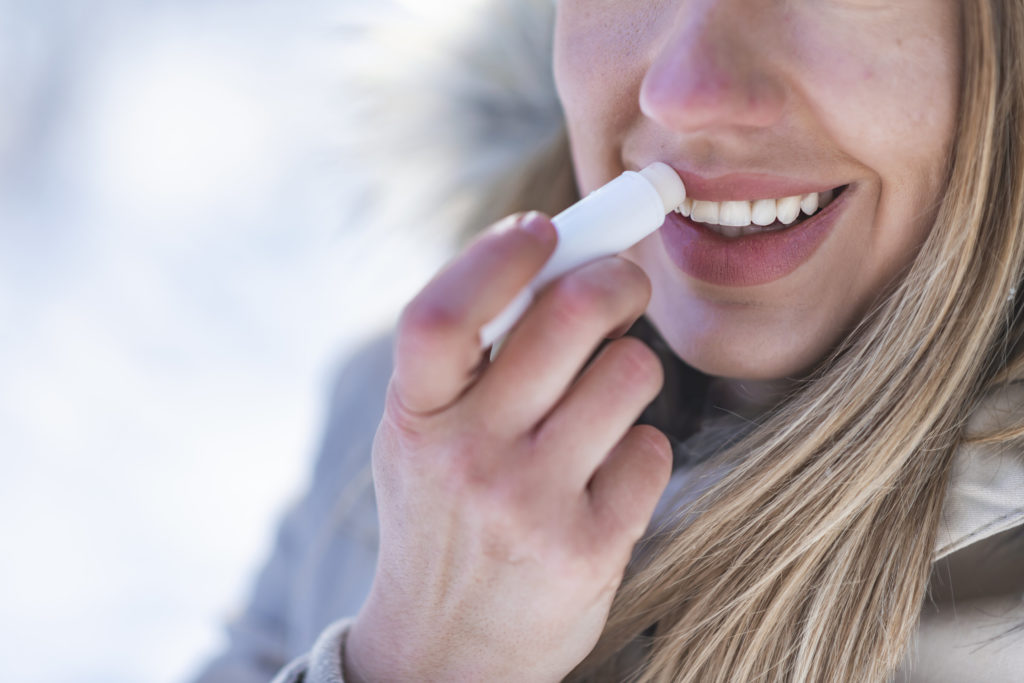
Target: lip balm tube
610, 219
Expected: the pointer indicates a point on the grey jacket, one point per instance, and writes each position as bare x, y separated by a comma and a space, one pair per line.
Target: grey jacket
322, 565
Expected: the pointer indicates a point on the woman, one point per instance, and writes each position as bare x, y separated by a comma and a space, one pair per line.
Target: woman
810, 427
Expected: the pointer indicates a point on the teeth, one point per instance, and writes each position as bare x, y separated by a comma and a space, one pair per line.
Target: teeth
764, 212
735, 218
705, 212
735, 214
809, 204
788, 209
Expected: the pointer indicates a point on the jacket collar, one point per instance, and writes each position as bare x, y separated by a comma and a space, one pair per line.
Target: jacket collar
986, 488
985, 495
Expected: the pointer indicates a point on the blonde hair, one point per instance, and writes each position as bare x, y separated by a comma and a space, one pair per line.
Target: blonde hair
810, 559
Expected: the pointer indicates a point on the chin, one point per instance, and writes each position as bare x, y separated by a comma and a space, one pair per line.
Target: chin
740, 366
727, 355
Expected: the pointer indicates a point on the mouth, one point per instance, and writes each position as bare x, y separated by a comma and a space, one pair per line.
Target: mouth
736, 219
746, 243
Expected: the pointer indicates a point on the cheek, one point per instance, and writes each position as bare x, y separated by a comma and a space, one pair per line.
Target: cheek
595, 41
910, 81
855, 80
598, 68
583, 52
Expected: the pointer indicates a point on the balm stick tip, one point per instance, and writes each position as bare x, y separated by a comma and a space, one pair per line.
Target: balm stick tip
667, 182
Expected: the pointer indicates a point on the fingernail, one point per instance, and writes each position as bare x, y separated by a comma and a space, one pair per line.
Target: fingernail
538, 225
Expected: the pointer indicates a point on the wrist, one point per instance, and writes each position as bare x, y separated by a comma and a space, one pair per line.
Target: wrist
375, 652
349, 672
354, 654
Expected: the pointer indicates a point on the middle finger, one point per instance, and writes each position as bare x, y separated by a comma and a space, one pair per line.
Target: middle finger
549, 346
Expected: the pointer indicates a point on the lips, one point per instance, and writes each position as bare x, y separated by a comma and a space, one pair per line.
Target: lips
750, 260
748, 186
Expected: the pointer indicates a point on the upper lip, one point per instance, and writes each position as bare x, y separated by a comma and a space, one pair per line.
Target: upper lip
747, 186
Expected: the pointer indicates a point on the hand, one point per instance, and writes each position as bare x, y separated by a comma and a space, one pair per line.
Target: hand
511, 493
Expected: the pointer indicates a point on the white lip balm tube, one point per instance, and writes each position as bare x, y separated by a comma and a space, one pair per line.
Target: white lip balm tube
610, 219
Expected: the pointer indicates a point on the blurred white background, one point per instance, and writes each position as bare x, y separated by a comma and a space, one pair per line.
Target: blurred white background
176, 286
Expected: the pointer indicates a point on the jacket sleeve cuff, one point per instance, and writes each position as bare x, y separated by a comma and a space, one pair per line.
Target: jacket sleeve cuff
325, 662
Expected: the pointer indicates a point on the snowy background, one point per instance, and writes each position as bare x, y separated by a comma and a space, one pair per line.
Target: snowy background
176, 286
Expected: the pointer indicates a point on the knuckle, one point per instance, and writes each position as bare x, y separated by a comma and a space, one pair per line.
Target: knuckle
412, 427
616, 519
505, 500
576, 561
424, 321
577, 298
638, 363
500, 496
429, 446
635, 279
653, 440
462, 468
469, 469
602, 289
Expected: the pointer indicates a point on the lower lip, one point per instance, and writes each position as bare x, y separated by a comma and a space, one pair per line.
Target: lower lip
749, 260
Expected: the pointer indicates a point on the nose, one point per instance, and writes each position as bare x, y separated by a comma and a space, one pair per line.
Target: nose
712, 70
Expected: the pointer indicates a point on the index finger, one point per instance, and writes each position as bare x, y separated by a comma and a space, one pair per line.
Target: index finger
437, 349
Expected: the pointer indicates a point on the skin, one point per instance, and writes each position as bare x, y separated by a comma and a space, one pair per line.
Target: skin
793, 88
511, 493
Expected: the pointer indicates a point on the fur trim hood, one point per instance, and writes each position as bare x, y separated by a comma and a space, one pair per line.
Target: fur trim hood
450, 119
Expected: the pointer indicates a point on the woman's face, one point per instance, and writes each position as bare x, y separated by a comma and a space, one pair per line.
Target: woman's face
766, 99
